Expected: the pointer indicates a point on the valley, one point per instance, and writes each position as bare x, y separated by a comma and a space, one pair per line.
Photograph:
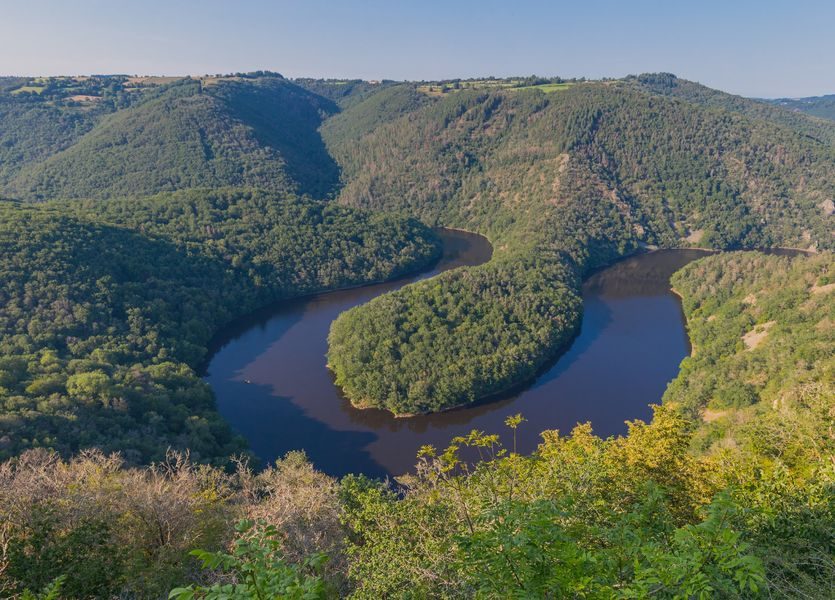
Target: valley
273, 387
412, 327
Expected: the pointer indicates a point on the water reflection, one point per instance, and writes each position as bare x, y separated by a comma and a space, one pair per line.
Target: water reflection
272, 385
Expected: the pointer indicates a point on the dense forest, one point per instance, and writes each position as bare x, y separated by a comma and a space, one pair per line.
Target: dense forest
107, 307
561, 183
686, 506
816, 128
208, 132
139, 215
434, 346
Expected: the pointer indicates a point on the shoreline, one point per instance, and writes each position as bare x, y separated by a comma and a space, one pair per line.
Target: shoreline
680, 297
225, 332
550, 361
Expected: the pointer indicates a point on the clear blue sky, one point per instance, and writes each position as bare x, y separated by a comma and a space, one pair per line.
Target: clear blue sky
755, 48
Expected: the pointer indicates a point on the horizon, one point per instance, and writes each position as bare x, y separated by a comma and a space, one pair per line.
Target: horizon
756, 49
384, 80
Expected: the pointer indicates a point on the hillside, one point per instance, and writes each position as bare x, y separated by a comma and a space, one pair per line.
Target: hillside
817, 106
456, 159
210, 132
561, 183
773, 111
762, 370
41, 116
108, 307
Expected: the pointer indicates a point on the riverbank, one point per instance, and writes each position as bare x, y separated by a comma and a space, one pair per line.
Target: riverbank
292, 403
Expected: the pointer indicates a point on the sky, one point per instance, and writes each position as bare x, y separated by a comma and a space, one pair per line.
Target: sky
764, 48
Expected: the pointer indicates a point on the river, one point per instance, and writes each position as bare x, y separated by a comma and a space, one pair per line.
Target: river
269, 376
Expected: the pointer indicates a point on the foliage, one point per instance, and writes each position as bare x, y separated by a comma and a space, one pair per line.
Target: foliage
108, 307
50, 592
111, 530
256, 132
257, 570
581, 517
561, 184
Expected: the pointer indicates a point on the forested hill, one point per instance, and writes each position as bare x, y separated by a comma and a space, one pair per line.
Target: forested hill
107, 307
561, 182
117, 135
817, 106
808, 124
671, 166
257, 131
562, 175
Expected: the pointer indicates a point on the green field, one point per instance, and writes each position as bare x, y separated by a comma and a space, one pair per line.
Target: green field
37, 89
548, 87
440, 88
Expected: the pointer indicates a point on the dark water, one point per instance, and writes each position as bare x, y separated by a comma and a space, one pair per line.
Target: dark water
272, 385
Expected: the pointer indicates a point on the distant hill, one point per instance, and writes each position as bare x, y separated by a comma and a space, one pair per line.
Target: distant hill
817, 106
721, 170
670, 85
561, 182
344, 92
213, 132
365, 114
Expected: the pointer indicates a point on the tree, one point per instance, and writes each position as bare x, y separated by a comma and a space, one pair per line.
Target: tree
255, 569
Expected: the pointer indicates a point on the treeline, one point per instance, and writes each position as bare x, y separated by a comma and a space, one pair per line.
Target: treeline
107, 307
669, 85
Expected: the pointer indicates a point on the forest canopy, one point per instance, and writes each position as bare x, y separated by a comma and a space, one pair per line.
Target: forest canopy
561, 183
109, 298
107, 307
683, 506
